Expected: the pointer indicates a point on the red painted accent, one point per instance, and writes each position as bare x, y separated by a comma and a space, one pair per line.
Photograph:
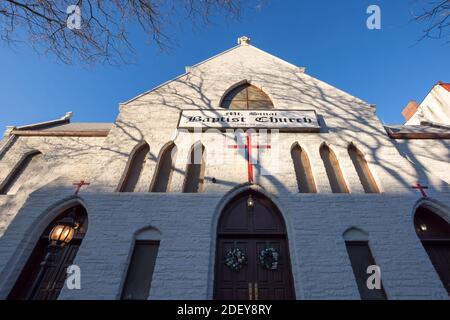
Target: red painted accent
249, 158
248, 154
446, 86
79, 185
421, 188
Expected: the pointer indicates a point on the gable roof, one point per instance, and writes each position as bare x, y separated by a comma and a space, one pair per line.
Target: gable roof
188, 69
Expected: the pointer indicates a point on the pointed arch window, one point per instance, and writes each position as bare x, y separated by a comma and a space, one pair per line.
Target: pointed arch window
21, 173
195, 170
135, 168
360, 255
44, 274
303, 173
362, 168
247, 96
164, 170
434, 233
142, 264
333, 170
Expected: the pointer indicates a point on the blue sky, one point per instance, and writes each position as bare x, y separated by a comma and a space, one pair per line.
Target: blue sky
329, 38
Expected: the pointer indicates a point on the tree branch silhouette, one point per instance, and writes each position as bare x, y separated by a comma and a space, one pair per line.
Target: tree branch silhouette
104, 33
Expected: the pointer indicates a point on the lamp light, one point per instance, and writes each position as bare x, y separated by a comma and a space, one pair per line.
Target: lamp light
63, 232
250, 202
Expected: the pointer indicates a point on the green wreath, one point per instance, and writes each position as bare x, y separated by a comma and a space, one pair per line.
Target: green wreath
235, 259
269, 258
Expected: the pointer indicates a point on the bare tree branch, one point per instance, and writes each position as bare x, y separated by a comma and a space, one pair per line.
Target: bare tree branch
436, 15
103, 36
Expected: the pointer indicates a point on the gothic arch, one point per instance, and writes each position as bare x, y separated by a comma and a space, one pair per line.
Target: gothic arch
303, 171
260, 225
362, 168
43, 263
333, 170
432, 227
13, 180
164, 168
134, 168
355, 234
245, 95
149, 233
435, 206
195, 169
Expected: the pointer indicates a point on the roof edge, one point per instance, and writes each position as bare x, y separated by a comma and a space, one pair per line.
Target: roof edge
301, 69
178, 77
64, 119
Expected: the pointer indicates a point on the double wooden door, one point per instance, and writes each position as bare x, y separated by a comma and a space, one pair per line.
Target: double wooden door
252, 230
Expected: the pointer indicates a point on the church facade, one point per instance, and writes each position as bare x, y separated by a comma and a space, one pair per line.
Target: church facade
243, 178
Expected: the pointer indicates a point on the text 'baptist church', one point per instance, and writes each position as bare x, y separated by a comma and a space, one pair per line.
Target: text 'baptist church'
292, 119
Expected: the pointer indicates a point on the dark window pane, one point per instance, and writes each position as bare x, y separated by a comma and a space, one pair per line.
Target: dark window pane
434, 232
361, 257
140, 271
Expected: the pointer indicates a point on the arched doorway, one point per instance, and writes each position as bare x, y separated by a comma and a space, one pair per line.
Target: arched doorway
44, 274
250, 226
434, 233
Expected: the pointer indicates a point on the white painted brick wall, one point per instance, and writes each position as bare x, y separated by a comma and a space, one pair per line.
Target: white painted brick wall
185, 263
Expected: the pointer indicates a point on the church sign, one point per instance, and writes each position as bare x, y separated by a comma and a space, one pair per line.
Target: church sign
283, 120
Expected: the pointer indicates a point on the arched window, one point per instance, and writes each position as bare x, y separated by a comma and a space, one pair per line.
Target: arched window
333, 170
364, 174
195, 170
357, 245
142, 264
246, 96
23, 171
163, 173
305, 179
134, 168
434, 232
44, 274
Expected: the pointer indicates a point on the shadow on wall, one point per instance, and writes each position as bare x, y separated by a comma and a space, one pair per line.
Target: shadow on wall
294, 88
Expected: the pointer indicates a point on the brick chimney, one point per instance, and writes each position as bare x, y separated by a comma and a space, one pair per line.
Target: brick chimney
410, 110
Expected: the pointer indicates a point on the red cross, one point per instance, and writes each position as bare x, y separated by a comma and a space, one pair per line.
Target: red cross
421, 188
79, 185
248, 154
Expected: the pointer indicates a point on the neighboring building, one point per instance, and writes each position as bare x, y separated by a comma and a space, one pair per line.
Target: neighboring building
435, 108
175, 211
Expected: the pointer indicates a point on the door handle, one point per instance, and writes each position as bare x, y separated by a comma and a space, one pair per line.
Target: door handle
256, 291
250, 291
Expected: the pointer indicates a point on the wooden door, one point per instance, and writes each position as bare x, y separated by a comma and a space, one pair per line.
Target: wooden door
252, 229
